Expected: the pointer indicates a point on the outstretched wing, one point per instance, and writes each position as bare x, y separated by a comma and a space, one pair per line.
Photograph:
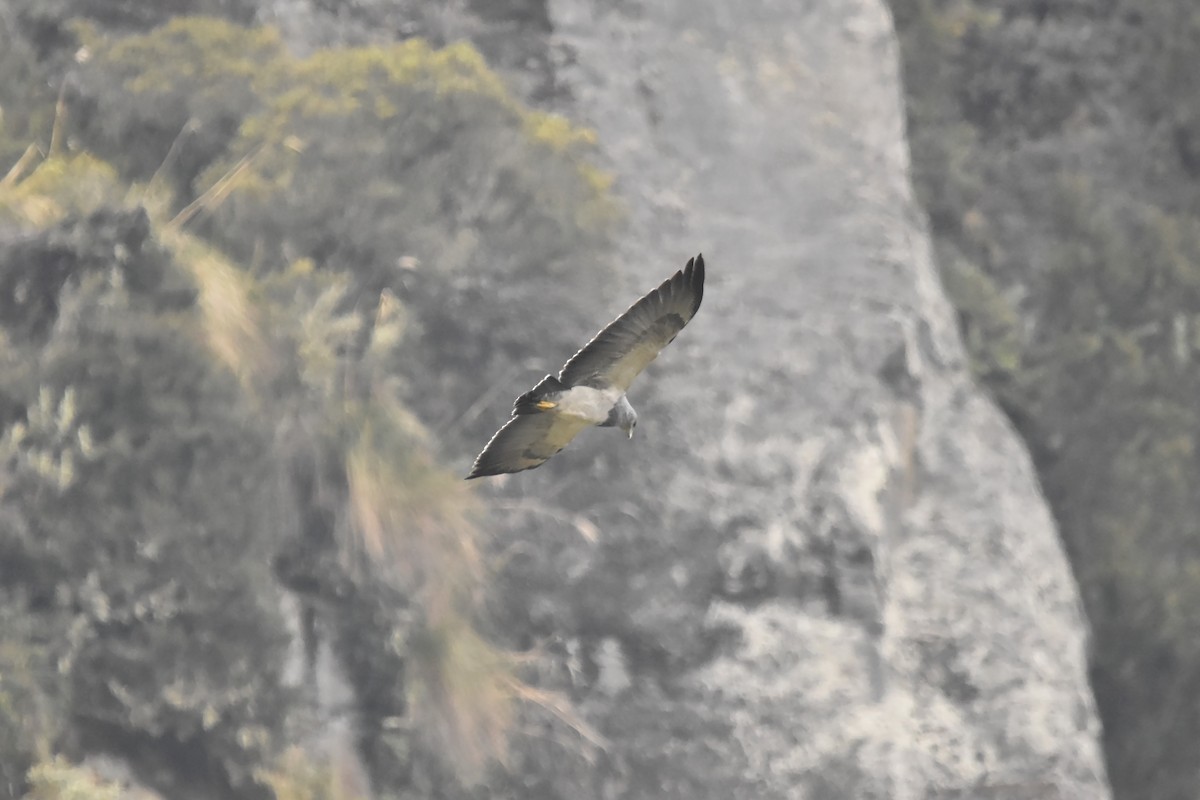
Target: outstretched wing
621, 351
526, 441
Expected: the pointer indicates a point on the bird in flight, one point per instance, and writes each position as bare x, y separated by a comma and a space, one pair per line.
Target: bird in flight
590, 388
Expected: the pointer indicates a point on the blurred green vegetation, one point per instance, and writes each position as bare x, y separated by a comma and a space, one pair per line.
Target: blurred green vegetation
238, 292
26, 101
180, 92
57, 779
126, 534
69, 185
46, 22
396, 151
1053, 146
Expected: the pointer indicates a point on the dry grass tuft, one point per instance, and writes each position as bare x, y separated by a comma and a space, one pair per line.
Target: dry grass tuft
411, 517
229, 315
461, 695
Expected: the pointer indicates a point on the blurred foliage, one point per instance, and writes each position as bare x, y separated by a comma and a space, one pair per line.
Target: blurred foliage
47, 22
26, 101
415, 172
1114, 380
59, 780
73, 184
299, 776
1052, 145
410, 169
1165, 59
236, 290
398, 151
26, 721
180, 92
989, 323
161, 636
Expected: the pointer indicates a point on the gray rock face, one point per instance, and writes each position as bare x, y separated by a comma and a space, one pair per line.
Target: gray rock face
827, 570
823, 569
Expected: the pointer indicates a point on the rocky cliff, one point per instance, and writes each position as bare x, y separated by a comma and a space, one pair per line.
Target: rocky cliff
822, 569
826, 569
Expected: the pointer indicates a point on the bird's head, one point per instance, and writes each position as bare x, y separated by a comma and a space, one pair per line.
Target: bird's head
627, 417
622, 416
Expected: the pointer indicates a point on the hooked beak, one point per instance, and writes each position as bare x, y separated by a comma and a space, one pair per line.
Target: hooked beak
629, 433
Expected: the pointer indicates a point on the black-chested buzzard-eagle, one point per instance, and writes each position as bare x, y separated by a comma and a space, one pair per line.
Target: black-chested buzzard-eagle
590, 388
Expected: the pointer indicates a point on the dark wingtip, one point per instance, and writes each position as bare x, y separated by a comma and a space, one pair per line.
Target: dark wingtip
484, 467
482, 472
696, 268
488, 470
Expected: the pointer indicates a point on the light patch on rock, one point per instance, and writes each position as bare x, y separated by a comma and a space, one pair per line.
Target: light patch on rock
612, 671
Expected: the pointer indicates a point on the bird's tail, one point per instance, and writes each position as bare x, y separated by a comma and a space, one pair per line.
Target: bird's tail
539, 398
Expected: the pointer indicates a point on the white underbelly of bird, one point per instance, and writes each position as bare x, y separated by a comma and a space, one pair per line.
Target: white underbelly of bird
586, 404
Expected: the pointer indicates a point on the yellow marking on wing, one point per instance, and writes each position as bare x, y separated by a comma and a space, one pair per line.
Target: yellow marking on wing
546, 404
